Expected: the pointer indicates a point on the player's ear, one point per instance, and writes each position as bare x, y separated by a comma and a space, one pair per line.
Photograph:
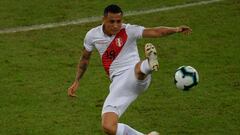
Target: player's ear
103, 18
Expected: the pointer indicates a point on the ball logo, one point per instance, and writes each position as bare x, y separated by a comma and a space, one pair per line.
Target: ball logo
119, 42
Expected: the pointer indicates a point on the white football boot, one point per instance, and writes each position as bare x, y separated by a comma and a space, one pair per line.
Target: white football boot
151, 55
153, 133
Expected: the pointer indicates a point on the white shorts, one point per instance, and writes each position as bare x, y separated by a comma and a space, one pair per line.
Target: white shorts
124, 89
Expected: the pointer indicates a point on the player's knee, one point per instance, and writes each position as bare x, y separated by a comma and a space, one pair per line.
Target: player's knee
109, 128
139, 74
109, 123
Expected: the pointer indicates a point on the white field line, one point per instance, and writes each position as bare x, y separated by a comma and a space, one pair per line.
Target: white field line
94, 19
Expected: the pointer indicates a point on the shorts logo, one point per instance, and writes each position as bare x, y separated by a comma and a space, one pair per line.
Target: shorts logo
101, 42
119, 42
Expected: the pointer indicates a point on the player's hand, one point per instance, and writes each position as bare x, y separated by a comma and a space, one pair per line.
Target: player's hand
184, 29
72, 89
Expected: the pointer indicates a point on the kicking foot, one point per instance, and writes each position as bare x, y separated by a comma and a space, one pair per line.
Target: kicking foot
151, 54
153, 133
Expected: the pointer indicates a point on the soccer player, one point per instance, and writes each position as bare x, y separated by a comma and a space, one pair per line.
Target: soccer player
116, 43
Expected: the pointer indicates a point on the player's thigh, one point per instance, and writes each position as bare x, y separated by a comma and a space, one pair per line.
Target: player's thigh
136, 85
123, 91
120, 96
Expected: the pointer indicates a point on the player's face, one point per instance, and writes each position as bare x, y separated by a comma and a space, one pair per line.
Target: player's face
112, 23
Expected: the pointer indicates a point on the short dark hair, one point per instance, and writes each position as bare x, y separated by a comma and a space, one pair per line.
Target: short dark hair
112, 9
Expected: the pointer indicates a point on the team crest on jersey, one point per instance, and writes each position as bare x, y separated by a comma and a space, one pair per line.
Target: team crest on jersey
119, 42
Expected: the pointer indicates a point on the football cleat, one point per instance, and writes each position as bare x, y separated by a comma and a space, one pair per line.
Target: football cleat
151, 55
153, 133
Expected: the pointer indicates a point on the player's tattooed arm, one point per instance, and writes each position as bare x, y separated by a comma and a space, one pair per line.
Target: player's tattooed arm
81, 68
164, 31
83, 64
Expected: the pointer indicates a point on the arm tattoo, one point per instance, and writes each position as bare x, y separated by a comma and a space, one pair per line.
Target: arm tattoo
83, 64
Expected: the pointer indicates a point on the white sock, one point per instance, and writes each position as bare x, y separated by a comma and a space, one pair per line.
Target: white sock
123, 129
145, 68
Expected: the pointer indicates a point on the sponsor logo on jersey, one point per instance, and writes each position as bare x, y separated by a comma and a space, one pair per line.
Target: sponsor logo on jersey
102, 42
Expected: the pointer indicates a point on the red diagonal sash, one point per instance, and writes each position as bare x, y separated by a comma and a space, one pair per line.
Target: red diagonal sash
114, 49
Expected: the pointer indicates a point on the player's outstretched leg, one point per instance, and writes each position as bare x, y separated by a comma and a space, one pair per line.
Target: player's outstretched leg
145, 67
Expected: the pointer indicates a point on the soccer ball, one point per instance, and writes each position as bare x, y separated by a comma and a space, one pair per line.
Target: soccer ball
186, 77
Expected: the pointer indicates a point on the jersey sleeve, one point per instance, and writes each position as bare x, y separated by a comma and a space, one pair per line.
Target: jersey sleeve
135, 31
88, 43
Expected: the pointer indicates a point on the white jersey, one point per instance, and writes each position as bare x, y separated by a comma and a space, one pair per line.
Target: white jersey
118, 52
